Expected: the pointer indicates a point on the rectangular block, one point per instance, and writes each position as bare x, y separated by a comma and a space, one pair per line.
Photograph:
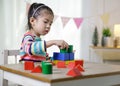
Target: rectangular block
55, 55
71, 56
60, 56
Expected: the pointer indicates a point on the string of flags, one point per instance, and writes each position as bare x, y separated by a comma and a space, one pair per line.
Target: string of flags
77, 20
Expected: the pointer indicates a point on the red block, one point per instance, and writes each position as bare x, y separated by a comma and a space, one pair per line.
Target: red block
79, 62
29, 65
80, 68
74, 72
37, 69
61, 64
71, 65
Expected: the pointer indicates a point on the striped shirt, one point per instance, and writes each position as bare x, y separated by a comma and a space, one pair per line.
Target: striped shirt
32, 47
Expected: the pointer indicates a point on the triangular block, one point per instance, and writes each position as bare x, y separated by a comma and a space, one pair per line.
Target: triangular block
29, 65
80, 68
74, 72
61, 64
37, 69
71, 65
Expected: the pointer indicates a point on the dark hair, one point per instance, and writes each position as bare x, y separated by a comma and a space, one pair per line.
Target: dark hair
35, 9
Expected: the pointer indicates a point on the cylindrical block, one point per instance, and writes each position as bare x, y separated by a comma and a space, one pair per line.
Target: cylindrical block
70, 49
46, 67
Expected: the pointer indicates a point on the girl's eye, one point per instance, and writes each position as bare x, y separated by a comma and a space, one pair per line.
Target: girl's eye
45, 22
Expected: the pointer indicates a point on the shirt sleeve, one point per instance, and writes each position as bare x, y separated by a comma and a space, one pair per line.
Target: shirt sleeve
32, 47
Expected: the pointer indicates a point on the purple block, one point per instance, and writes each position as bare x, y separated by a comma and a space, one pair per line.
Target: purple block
71, 56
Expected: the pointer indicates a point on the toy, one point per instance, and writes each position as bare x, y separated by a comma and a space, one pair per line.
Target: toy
29, 65
37, 69
61, 64
74, 72
46, 67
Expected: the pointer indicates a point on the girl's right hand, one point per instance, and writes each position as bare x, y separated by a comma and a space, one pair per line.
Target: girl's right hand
61, 44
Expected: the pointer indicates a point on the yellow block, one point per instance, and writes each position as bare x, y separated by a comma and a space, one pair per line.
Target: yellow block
67, 62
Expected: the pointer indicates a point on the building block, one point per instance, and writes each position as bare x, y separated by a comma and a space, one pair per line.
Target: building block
79, 62
55, 61
29, 65
68, 61
60, 56
71, 56
61, 64
46, 67
71, 65
70, 49
74, 72
37, 69
63, 50
80, 68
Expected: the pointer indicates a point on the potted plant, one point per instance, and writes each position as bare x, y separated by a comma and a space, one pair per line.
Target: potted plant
106, 34
95, 37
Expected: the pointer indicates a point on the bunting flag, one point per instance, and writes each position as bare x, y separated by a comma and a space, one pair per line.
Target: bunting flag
105, 18
78, 21
65, 20
27, 7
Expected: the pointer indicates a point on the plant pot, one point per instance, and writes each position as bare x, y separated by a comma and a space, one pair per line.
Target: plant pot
106, 41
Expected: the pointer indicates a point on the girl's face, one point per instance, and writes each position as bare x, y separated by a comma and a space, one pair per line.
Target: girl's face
41, 25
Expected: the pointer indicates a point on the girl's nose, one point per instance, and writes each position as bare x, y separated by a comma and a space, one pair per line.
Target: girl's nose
48, 26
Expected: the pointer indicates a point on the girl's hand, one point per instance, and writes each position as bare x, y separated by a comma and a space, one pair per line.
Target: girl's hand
61, 44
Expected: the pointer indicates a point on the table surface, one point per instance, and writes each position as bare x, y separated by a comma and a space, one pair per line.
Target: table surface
59, 74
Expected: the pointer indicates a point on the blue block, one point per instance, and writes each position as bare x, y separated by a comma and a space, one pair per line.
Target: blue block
60, 56
71, 56
55, 55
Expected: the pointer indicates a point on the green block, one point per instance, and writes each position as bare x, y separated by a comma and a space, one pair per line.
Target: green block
70, 49
46, 67
63, 50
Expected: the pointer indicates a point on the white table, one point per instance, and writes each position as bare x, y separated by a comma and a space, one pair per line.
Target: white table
95, 75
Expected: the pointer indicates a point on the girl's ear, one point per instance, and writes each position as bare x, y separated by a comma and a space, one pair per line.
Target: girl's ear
32, 21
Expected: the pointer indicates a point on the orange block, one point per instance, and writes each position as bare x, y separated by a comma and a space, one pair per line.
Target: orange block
80, 68
74, 72
29, 65
61, 64
37, 69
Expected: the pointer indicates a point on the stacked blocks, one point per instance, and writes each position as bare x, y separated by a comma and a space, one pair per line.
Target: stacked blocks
64, 55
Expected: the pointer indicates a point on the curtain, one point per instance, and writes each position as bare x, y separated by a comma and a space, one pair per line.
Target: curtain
12, 20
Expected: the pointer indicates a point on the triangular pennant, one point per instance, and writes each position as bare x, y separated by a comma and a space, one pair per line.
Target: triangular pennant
27, 7
105, 18
78, 21
37, 69
65, 20
74, 72
80, 68
55, 17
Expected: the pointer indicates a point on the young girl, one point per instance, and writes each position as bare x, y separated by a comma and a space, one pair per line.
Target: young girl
40, 18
